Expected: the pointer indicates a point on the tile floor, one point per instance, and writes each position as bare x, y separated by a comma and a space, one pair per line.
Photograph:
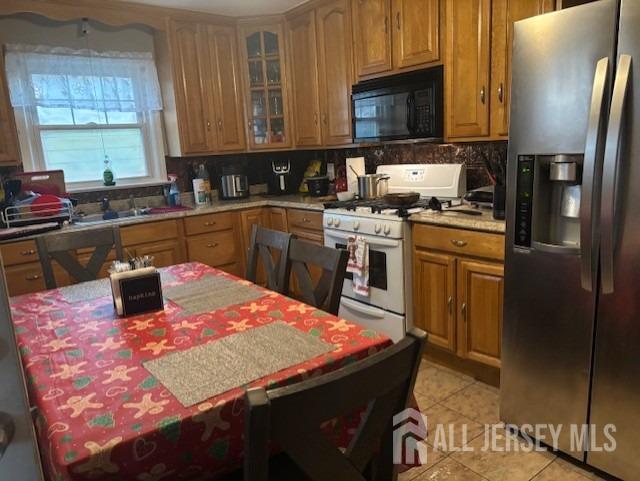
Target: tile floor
466, 407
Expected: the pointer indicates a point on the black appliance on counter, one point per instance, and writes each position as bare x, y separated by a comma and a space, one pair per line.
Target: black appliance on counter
399, 107
281, 178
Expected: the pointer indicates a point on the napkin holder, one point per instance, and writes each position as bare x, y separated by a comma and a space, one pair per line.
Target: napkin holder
137, 291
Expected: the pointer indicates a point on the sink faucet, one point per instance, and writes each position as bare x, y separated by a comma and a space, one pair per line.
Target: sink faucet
133, 206
104, 204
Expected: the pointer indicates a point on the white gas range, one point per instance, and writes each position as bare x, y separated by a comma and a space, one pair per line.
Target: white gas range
388, 307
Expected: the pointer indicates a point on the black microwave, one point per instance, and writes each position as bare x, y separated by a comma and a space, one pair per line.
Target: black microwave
399, 107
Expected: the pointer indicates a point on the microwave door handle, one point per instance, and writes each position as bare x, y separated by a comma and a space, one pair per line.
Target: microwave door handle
410, 112
592, 176
611, 170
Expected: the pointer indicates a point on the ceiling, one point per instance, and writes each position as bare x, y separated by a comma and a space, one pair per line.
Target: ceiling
229, 7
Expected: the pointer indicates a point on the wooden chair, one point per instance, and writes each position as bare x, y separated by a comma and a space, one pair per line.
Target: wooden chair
263, 242
291, 417
326, 293
59, 247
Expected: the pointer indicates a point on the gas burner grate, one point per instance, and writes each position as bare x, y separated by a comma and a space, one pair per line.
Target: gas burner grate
377, 206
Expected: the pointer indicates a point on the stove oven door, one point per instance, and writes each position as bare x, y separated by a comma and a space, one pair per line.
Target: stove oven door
369, 317
386, 271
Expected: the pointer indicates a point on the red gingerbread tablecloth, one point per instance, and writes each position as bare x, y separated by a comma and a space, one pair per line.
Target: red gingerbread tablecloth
100, 413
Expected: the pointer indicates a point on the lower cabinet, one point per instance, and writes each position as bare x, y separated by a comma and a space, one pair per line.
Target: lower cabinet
249, 218
213, 240
458, 291
166, 247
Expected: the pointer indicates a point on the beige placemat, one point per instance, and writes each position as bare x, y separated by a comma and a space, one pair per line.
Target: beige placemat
211, 293
202, 372
90, 290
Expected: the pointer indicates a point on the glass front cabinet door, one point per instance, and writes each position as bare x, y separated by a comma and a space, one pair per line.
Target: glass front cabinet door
265, 85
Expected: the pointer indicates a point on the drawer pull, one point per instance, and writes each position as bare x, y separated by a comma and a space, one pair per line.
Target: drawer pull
211, 246
34, 277
458, 243
304, 219
29, 252
209, 224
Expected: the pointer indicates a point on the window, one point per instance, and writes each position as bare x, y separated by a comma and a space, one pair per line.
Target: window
77, 108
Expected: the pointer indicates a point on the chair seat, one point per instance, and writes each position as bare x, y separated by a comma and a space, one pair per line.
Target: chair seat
281, 468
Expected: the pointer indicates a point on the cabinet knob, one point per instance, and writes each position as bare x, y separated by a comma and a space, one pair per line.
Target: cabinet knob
210, 223
398, 20
324, 119
482, 94
212, 245
34, 277
219, 124
463, 309
450, 305
458, 243
501, 92
29, 252
209, 126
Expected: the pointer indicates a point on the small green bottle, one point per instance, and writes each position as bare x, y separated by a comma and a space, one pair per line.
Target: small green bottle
107, 175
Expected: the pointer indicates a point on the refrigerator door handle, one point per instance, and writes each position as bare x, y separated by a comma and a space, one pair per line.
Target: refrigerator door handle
610, 172
591, 177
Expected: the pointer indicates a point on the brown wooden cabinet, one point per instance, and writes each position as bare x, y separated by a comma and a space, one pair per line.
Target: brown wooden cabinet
161, 239
468, 56
480, 291
372, 36
504, 14
249, 218
278, 219
192, 97
224, 75
213, 240
335, 67
206, 105
393, 35
416, 39
479, 34
301, 33
9, 148
458, 291
264, 77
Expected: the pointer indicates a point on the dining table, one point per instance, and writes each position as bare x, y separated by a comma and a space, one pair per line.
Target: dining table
100, 415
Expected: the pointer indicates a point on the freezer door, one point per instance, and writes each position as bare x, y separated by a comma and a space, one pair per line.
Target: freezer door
561, 64
615, 397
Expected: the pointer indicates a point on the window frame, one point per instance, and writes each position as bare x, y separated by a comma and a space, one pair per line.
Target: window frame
150, 124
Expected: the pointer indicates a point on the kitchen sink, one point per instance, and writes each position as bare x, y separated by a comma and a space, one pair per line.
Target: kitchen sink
93, 218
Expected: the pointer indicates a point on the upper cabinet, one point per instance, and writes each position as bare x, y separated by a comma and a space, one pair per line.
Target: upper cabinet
265, 85
335, 63
304, 75
479, 34
224, 75
205, 109
9, 149
322, 74
392, 35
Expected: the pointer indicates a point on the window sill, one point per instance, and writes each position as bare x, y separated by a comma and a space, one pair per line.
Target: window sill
118, 186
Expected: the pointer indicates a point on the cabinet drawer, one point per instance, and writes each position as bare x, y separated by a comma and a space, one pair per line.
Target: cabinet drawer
19, 253
459, 241
151, 231
208, 223
215, 249
24, 279
305, 219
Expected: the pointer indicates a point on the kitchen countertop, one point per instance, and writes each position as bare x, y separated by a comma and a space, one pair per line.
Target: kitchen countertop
294, 201
484, 222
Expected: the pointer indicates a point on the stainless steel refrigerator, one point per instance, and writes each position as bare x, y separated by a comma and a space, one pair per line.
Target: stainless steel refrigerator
571, 333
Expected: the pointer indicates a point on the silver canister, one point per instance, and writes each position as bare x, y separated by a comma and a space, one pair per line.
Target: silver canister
372, 186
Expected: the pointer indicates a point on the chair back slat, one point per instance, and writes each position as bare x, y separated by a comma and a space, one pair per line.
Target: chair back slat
326, 293
263, 243
294, 415
62, 247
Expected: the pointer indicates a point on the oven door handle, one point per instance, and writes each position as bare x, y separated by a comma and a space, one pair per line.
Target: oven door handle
362, 308
372, 243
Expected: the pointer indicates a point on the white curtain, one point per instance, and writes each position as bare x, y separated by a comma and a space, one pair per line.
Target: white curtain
44, 76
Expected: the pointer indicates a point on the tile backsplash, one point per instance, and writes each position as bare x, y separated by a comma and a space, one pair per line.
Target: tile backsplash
258, 165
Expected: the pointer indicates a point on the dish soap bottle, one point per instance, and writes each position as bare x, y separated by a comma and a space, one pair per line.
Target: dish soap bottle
173, 197
202, 186
107, 175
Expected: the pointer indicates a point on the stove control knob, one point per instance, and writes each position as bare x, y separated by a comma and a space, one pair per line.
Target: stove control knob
377, 228
356, 225
336, 222
330, 221
387, 230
